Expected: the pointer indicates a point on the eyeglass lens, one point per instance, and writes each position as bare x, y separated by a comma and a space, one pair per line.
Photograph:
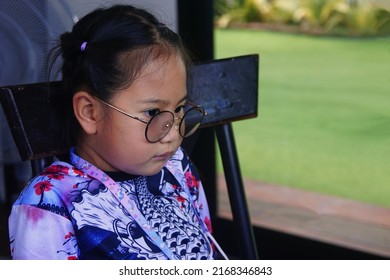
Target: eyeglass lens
159, 126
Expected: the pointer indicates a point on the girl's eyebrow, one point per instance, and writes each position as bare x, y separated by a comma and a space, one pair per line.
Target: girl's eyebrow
159, 101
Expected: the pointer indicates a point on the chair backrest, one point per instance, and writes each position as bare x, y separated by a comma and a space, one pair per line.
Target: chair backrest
226, 88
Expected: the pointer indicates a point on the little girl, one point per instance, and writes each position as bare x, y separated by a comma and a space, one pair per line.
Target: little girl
127, 189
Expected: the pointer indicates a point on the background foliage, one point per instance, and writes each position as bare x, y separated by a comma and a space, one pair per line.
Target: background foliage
335, 17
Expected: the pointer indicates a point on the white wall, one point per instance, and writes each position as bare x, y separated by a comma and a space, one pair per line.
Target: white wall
165, 10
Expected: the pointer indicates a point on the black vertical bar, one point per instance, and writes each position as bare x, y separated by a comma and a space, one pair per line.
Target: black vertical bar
196, 27
236, 191
38, 165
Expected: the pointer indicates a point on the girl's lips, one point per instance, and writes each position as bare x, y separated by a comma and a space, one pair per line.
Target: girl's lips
164, 156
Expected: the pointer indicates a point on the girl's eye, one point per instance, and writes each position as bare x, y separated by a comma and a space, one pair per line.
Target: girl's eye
180, 109
152, 112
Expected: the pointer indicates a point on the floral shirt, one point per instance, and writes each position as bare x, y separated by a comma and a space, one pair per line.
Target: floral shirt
66, 214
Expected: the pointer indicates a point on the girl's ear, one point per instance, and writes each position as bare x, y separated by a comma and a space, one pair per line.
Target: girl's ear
87, 111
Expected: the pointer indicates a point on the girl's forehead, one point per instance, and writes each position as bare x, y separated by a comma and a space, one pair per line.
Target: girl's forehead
160, 82
161, 66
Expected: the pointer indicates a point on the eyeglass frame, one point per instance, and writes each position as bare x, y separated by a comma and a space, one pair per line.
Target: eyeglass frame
175, 119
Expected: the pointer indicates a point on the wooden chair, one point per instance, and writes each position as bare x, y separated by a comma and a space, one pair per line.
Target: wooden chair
226, 88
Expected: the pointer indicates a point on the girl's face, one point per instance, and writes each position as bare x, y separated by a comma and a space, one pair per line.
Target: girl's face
119, 142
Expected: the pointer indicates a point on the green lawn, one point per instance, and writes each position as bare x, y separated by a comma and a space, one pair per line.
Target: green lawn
324, 113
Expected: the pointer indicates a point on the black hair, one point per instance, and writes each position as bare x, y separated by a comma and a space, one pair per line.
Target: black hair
107, 49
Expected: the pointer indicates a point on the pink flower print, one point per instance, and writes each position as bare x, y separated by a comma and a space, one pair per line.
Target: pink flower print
69, 235
55, 176
180, 199
42, 187
207, 222
68, 238
57, 169
77, 172
191, 180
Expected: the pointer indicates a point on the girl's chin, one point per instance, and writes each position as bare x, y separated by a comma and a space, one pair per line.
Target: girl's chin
153, 170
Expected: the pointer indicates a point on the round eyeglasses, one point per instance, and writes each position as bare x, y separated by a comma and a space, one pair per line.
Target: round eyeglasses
161, 123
